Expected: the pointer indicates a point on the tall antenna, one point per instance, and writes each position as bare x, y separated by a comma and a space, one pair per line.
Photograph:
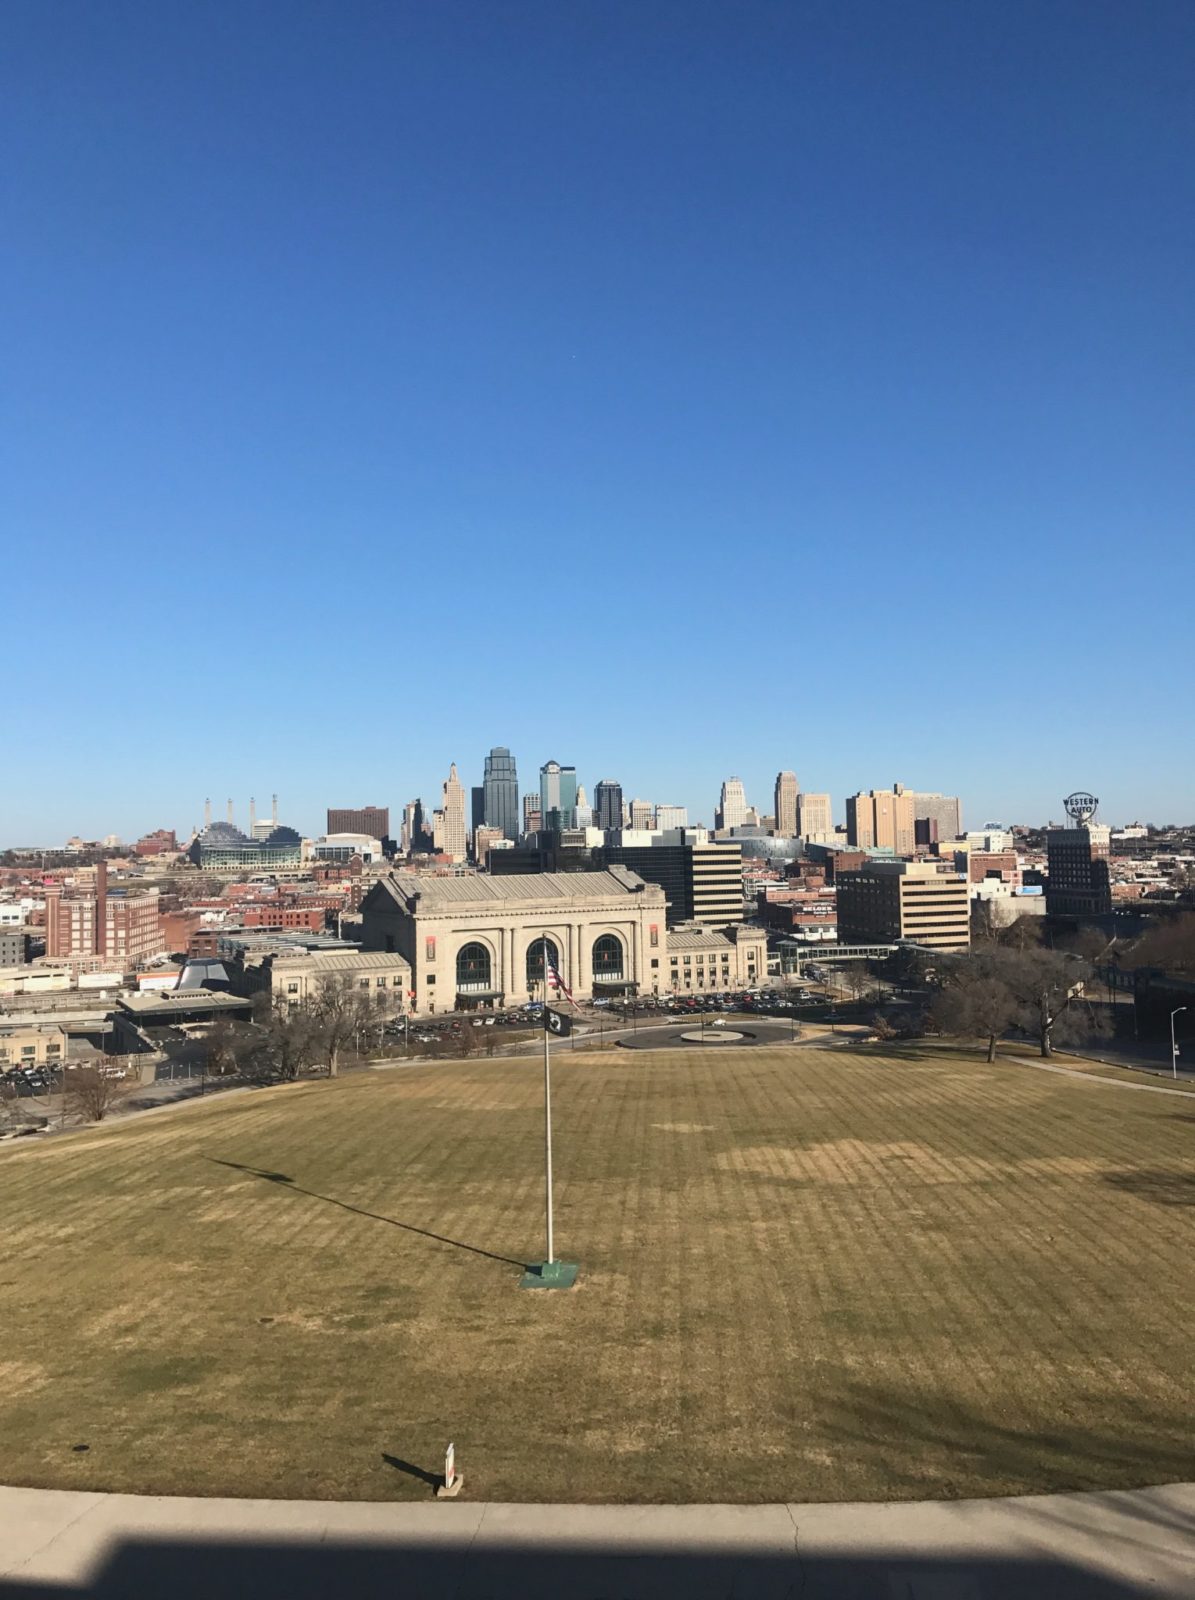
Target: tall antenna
207, 813
252, 815
274, 813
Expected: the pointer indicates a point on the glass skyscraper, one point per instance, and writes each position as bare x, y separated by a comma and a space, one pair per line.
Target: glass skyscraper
558, 793
501, 789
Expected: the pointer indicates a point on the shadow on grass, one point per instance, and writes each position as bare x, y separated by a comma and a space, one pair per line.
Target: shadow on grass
432, 1479
916, 1440
284, 1182
1160, 1187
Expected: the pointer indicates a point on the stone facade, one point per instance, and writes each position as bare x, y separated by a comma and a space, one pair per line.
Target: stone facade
478, 941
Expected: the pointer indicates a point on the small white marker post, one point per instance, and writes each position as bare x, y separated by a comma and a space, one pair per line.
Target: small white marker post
453, 1480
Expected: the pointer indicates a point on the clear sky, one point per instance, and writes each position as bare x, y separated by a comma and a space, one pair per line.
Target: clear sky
675, 389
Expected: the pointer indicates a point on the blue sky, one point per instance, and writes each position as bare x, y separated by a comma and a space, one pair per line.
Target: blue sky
675, 389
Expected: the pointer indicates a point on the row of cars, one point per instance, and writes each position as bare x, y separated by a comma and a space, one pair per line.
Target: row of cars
26, 1082
430, 1029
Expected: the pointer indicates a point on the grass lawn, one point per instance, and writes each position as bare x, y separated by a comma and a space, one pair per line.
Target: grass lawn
805, 1275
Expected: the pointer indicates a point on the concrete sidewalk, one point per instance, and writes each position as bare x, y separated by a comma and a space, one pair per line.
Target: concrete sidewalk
1056, 1547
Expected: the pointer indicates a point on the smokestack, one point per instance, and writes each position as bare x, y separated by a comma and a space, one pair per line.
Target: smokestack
274, 813
230, 817
252, 815
207, 813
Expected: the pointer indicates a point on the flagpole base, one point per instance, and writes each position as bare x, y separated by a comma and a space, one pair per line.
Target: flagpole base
550, 1275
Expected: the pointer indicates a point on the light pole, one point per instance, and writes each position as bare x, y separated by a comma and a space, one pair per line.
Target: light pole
1173, 1042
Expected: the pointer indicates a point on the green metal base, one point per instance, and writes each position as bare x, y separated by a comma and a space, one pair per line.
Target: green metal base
550, 1275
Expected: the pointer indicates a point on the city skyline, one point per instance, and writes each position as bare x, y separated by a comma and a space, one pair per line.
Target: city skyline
758, 794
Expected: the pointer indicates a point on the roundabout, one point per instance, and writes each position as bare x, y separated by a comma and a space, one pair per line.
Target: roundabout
717, 1036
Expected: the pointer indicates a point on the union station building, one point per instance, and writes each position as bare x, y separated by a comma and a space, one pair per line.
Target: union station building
479, 941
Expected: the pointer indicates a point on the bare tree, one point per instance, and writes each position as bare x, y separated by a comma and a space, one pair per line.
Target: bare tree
335, 1009
1022, 933
976, 1001
92, 1092
1046, 985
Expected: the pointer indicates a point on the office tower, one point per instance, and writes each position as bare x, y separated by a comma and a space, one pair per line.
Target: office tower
940, 814
642, 815
531, 813
703, 881
501, 785
371, 820
453, 836
672, 817
785, 808
607, 798
881, 819
732, 808
583, 814
557, 795
889, 900
1078, 884
814, 816
476, 807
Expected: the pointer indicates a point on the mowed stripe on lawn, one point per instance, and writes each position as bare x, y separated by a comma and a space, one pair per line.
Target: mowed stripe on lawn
804, 1275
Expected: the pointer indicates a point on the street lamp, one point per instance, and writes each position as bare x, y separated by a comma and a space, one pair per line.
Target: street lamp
1173, 1042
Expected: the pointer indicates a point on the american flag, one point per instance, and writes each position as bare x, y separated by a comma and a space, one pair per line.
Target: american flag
554, 978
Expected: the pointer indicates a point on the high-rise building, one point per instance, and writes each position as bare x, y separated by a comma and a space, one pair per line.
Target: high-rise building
940, 816
703, 881
454, 835
672, 817
1078, 884
582, 814
732, 807
531, 813
882, 819
476, 808
501, 785
371, 820
557, 795
607, 798
814, 817
642, 815
786, 805
889, 900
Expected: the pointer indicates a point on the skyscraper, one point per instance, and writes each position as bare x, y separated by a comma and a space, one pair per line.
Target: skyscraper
607, 799
453, 837
373, 820
557, 794
785, 808
672, 817
814, 816
642, 815
943, 811
501, 785
882, 819
732, 808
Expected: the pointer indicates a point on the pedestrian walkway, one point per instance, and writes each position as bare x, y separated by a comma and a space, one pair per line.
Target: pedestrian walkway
1094, 1077
1107, 1546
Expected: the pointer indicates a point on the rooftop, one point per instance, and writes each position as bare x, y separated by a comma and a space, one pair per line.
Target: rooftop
431, 893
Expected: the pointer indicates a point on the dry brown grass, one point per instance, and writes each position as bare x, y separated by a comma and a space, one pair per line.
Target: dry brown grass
804, 1275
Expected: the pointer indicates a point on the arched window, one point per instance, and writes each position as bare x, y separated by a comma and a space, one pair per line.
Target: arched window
535, 960
473, 968
607, 958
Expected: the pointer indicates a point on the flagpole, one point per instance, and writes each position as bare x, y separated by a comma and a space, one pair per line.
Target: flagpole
547, 1114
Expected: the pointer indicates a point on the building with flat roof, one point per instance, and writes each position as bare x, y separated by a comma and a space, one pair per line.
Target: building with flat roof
881, 819
732, 805
373, 821
1078, 883
607, 804
887, 901
705, 960
479, 941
